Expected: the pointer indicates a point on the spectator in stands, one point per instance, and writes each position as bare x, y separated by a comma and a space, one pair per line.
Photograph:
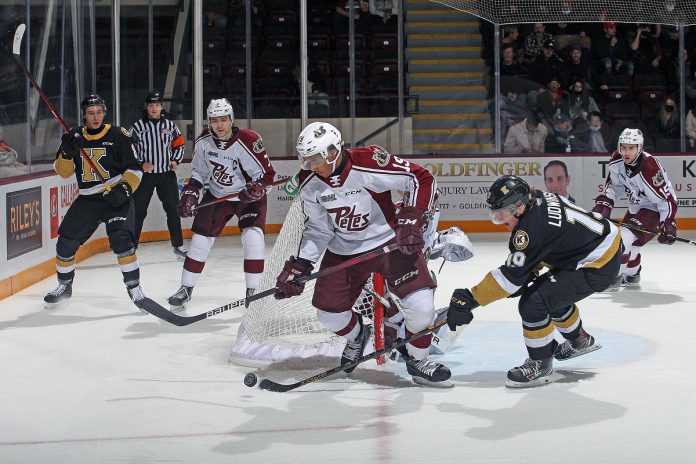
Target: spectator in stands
666, 124
547, 64
535, 41
564, 137
599, 135
215, 14
580, 102
610, 52
360, 15
511, 36
577, 67
526, 137
690, 127
669, 51
509, 66
9, 166
553, 101
384, 15
513, 107
644, 51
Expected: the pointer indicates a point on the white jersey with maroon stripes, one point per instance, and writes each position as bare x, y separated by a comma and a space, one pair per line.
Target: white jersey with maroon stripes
646, 185
353, 212
229, 164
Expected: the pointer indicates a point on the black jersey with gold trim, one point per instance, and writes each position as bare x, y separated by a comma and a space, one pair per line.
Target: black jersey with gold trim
111, 150
554, 233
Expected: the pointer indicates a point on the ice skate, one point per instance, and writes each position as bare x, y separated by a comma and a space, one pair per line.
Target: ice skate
178, 301
532, 373
61, 293
633, 281
137, 297
616, 284
180, 252
355, 348
429, 373
582, 344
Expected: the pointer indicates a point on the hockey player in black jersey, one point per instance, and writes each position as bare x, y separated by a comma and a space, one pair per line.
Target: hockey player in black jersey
105, 197
582, 251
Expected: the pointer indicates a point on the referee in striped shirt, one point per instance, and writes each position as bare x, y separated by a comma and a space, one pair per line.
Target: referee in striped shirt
160, 149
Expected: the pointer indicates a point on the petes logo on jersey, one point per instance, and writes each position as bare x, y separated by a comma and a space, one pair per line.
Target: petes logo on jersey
220, 174
520, 240
658, 179
258, 146
381, 156
346, 218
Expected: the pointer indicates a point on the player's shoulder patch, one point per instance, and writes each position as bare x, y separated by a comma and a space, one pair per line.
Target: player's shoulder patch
126, 132
658, 179
380, 155
258, 146
520, 240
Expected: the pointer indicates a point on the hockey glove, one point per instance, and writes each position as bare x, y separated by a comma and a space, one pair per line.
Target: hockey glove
71, 143
188, 201
252, 191
603, 205
460, 307
667, 232
120, 194
295, 268
409, 230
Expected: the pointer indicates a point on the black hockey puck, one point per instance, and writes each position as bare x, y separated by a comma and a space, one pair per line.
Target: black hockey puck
250, 380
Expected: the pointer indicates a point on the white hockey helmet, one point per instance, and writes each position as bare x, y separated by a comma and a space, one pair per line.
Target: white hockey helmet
318, 138
220, 107
631, 137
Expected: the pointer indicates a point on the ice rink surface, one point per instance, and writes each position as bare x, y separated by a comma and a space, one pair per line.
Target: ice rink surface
99, 382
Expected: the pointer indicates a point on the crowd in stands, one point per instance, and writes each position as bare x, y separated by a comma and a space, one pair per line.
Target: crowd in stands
275, 48
573, 87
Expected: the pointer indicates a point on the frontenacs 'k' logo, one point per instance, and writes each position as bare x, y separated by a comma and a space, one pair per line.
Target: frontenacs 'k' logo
346, 218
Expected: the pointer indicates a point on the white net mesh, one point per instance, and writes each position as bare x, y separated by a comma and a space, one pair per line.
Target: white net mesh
554, 11
287, 331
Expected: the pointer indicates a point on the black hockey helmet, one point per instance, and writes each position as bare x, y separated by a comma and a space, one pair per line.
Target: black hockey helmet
153, 97
92, 100
508, 191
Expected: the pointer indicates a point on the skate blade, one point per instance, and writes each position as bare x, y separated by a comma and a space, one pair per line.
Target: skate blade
594, 347
427, 383
177, 309
60, 304
541, 381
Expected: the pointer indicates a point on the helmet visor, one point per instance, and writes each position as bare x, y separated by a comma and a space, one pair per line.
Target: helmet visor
312, 161
502, 215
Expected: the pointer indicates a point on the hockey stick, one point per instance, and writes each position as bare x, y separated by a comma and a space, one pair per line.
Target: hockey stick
267, 384
161, 312
16, 48
649, 231
235, 195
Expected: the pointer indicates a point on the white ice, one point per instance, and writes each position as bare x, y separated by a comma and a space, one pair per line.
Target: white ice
98, 382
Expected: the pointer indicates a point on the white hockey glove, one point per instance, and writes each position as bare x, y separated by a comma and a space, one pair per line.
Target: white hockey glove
452, 245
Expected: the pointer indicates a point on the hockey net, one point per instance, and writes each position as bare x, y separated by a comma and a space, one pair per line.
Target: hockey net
287, 331
532, 11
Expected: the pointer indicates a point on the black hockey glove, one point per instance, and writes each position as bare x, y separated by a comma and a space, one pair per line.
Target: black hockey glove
409, 230
252, 191
667, 232
120, 194
71, 143
295, 268
460, 307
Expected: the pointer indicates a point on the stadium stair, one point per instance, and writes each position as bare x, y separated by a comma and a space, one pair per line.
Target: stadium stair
446, 71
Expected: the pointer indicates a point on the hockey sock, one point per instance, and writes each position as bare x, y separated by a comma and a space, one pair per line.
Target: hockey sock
65, 269
344, 323
568, 324
199, 247
130, 268
254, 254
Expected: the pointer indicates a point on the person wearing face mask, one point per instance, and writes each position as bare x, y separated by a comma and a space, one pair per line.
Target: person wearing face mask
691, 127
580, 103
666, 122
599, 136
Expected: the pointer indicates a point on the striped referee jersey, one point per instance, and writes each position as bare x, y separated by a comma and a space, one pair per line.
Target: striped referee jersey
158, 142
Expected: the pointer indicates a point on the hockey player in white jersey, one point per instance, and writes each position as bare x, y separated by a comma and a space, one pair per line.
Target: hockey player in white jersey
346, 197
233, 161
652, 203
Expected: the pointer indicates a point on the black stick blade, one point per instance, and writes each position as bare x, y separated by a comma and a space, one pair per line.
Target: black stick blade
270, 385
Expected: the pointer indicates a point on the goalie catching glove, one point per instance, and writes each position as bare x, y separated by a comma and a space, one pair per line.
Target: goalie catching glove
409, 230
460, 308
294, 269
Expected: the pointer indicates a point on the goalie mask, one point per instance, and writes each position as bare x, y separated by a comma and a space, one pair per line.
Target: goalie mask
220, 107
506, 194
315, 144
